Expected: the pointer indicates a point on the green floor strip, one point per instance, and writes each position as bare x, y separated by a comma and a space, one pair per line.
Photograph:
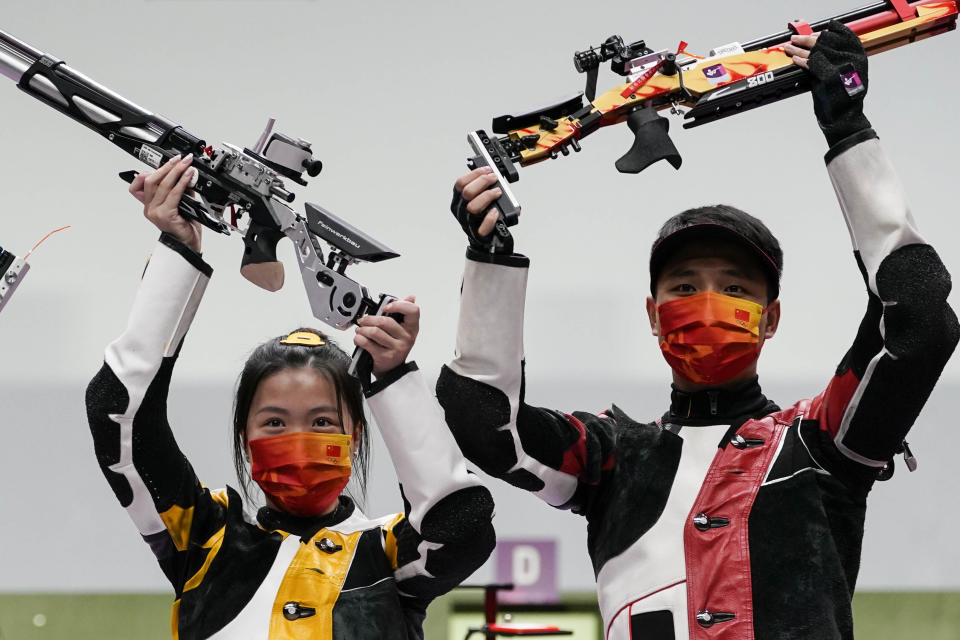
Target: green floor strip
85, 617
878, 616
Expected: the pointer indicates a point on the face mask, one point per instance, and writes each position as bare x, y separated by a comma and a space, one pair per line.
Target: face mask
709, 338
302, 472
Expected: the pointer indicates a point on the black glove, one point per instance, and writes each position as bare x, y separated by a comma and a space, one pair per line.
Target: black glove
497, 241
838, 66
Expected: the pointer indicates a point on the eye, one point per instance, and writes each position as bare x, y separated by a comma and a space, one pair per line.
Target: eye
326, 424
273, 422
746, 290
684, 287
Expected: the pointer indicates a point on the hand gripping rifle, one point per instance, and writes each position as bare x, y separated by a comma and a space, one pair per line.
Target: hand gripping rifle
235, 189
731, 79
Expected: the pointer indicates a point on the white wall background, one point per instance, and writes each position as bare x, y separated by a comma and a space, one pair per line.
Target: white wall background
386, 91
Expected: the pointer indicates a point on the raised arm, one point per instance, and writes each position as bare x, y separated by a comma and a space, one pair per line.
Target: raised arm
446, 531
126, 408
909, 331
557, 456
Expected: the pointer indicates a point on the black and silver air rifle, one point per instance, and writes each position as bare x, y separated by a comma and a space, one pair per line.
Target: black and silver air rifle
236, 189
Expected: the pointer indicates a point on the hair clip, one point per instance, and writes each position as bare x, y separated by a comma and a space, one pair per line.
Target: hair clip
304, 338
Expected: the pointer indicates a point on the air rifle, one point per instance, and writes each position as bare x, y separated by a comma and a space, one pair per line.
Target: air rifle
235, 190
731, 79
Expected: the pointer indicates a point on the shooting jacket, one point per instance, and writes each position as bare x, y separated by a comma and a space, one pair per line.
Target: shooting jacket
340, 576
727, 518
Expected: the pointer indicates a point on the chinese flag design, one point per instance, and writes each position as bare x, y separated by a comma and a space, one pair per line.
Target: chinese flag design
741, 314
333, 451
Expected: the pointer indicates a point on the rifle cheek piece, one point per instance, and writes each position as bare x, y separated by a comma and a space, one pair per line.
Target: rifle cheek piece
650, 143
266, 275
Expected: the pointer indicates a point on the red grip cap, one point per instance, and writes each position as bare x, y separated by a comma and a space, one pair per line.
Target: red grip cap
800, 27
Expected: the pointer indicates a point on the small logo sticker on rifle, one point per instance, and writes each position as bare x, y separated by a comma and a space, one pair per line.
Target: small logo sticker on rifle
732, 49
716, 74
150, 156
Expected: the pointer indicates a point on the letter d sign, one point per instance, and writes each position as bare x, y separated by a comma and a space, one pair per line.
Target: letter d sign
526, 565
531, 566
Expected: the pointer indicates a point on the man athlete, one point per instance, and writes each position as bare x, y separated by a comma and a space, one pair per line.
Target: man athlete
728, 517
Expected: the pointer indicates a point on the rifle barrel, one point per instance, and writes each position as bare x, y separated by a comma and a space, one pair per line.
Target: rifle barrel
16, 57
878, 15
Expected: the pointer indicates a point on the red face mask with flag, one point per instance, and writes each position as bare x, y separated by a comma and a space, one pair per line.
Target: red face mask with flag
708, 338
302, 472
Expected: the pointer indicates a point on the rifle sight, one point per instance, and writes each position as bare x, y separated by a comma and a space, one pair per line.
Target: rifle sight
613, 49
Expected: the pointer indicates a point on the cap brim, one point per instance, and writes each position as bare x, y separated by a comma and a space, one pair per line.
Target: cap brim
669, 245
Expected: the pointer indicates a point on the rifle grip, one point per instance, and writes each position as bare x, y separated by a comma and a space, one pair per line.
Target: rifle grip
501, 237
259, 264
361, 362
650, 143
361, 366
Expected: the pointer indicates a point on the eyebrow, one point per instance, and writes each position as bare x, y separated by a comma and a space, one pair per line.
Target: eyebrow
321, 409
679, 272
685, 272
740, 273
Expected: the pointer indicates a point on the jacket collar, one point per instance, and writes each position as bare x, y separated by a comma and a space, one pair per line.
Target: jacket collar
306, 528
718, 406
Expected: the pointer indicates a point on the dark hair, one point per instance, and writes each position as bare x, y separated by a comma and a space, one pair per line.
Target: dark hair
331, 361
719, 221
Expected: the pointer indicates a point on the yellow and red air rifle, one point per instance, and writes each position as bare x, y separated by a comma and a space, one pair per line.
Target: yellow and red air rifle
730, 79
236, 189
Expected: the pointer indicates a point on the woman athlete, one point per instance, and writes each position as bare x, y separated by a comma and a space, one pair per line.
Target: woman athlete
312, 565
